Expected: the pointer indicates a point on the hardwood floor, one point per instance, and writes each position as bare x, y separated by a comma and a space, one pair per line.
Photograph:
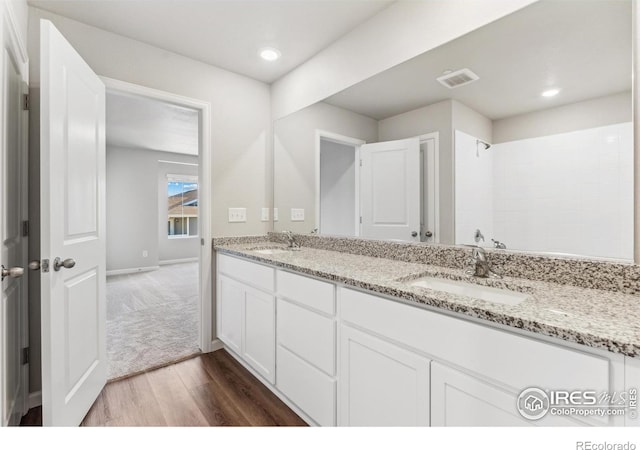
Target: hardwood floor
209, 390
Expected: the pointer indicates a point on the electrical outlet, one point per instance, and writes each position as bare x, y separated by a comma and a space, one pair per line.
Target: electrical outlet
145, 253
265, 214
297, 214
275, 214
237, 215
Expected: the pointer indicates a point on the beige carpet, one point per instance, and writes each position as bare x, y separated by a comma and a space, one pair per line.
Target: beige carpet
152, 318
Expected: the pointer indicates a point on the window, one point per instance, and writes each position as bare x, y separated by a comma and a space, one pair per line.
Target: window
182, 202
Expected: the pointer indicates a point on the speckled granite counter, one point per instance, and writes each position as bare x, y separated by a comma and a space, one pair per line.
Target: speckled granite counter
596, 318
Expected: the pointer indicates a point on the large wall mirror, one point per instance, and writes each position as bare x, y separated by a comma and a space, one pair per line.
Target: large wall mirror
517, 135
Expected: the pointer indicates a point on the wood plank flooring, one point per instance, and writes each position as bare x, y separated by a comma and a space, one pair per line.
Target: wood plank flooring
209, 390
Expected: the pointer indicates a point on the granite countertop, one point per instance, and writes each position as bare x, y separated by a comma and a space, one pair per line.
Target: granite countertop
596, 318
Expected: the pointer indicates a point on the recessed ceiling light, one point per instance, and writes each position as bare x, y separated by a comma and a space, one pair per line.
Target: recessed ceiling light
550, 93
269, 54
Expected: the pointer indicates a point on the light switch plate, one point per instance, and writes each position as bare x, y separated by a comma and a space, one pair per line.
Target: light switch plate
275, 214
237, 215
297, 214
265, 214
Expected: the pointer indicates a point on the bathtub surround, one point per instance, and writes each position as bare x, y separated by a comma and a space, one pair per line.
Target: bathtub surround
599, 316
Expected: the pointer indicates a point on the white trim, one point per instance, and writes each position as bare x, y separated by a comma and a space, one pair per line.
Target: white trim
178, 178
216, 345
35, 399
132, 270
344, 140
436, 180
205, 200
168, 262
166, 161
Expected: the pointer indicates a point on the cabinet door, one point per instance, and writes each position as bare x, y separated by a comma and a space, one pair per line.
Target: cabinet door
259, 332
460, 399
230, 300
381, 384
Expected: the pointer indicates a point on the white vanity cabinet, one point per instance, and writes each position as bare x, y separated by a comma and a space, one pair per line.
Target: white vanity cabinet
306, 337
341, 356
381, 384
246, 312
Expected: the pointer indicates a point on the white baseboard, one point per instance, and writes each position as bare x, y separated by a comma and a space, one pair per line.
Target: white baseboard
132, 270
178, 261
35, 399
216, 344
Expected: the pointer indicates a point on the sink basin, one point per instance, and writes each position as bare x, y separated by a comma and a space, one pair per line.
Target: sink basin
486, 293
271, 251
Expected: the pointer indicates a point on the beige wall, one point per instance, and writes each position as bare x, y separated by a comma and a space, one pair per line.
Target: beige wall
471, 122
240, 111
398, 33
592, 113
294, 156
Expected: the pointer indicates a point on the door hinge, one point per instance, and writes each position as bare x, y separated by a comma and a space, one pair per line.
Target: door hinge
25, 104
25, 228
360, 163
360, 219
25, 355
201, 241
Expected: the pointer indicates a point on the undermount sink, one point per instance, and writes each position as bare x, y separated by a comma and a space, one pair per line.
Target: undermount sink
271, 251
486, 293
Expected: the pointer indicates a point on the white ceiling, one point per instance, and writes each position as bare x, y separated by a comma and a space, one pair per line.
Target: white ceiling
137, 122
226, 33
581, 47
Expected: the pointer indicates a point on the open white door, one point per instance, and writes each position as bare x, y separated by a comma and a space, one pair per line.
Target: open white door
390, 190
72, 146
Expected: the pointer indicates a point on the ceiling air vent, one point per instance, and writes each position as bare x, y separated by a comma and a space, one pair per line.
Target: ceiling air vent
458, 78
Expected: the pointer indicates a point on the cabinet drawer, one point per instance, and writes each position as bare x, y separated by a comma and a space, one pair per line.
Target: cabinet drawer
515, 361
313, 293
309, 335
253, 274
310, 389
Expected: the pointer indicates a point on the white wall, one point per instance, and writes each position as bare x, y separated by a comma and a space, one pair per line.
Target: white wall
583, 115
337, 189
400, 32
567, 193
436, 117
294, 156
240, 114
473, 190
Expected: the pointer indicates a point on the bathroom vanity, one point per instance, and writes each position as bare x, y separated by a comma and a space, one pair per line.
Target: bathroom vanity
353, 340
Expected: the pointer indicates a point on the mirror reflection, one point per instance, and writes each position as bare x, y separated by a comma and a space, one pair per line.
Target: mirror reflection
517, 135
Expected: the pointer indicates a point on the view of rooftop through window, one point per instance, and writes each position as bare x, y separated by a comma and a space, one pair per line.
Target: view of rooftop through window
182, 208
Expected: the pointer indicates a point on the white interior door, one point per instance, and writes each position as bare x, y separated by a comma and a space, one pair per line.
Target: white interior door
13, 243
72, 118
390, 190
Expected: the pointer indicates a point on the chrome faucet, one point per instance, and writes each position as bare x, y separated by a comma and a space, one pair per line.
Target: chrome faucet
291, 240
479, 264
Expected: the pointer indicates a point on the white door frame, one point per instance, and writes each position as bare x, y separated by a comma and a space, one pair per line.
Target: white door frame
12, 40
432, 162
205, 197
345, 140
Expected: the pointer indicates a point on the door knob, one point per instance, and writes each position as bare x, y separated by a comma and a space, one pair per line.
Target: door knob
428, 233
13, 272
414, 233
34, 265
58, 263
